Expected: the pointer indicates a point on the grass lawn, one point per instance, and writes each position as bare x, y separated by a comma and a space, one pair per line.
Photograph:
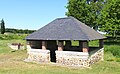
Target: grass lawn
12, 63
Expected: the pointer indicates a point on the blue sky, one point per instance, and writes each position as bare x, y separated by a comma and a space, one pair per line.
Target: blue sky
31, 14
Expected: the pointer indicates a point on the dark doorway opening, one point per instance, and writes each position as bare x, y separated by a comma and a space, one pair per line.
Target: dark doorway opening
52, 55
52, 46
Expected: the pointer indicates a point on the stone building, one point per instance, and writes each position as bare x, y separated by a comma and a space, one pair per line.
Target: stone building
53, 43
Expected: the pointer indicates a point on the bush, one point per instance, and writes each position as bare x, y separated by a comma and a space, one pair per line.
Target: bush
113, 45
116, 52
114, 49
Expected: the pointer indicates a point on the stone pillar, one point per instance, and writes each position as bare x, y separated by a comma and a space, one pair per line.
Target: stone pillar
84, 46
101, 43
68, 44
60, 45
44, 45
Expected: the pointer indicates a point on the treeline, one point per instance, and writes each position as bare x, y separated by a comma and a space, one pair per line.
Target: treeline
12, 30
102, 15
20, 31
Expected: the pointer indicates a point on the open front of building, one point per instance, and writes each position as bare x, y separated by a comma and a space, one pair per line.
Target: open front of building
62, 52
53, 43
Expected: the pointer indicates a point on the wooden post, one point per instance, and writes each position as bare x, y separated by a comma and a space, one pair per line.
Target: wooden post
84, 46
60, 45
67, 44
44, 45
40, 44
80, 46
101, 43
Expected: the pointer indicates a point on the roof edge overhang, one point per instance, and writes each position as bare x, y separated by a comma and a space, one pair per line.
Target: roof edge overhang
64, 39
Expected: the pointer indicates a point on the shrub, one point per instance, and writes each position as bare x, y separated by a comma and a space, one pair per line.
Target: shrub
116, 52
114, 49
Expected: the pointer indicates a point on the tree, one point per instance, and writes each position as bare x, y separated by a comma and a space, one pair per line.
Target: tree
2, 26
86, 11
110, 17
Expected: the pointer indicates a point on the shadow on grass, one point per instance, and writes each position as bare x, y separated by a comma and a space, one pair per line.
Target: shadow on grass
112, 40
112, 43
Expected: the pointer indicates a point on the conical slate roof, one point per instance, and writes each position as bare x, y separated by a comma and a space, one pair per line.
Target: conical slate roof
67, 28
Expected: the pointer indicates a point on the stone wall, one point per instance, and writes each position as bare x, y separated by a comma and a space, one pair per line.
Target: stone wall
71, 58
38, 55
16, 47
81, 59
97, 56
67, 58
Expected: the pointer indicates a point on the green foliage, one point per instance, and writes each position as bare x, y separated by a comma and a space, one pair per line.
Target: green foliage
20, 31
114, 49
103, 15
87, 11
2, 26
94, 43
113, 46
110, 17
12, 36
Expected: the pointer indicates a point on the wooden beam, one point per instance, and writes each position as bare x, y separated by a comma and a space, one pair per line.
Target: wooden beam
60, 45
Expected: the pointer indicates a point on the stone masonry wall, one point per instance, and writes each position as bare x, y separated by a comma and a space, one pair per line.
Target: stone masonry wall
71, 58
68, 58
81, 59
42, 56
96, 56
38, 55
